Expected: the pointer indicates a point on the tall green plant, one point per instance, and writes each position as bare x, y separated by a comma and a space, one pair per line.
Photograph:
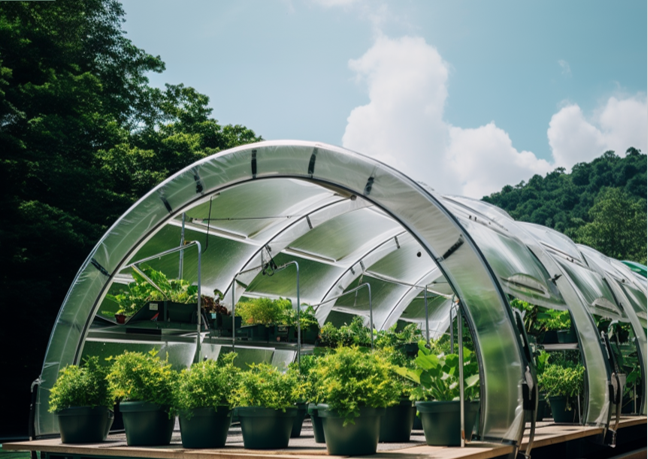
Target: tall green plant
437, 376
81, 386
263, 311
564, 379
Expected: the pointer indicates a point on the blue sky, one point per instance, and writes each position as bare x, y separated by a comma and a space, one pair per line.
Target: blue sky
466, 96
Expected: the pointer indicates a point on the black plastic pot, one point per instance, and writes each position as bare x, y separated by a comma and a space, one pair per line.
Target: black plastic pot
549, 337
318, 428
146, 424
567, 336
265, 428
205, 427
441, 421
560, 412
397, 422
256, 332
299, 420
409, 349
355, 439
83, 424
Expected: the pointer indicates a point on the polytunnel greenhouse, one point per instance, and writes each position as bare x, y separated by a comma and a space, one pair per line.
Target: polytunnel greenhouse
350, 236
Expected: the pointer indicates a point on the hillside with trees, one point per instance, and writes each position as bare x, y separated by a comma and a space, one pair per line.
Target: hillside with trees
82, 136
601, 203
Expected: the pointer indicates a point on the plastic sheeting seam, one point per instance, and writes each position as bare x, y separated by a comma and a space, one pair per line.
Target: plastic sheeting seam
311, 163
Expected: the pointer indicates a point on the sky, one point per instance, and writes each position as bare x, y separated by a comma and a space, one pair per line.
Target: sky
466, 96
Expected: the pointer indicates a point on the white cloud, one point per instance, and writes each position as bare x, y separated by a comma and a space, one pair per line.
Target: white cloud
564, 65
617, 125
403, 125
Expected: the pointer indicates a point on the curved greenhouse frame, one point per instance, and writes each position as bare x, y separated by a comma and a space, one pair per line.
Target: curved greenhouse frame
347, 220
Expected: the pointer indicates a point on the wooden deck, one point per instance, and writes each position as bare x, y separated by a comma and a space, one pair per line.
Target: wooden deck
547, 434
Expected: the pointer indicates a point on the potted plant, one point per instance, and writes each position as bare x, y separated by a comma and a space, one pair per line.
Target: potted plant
178, 297
265, 400
437, 394
354, 387
259, 315
203, 399
562, 382
405, 341
309, 324
397, 423
352, 334
557, 326
144, 385
82, 403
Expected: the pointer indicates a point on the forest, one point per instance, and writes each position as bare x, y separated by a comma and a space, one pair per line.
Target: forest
83, 135
601, 203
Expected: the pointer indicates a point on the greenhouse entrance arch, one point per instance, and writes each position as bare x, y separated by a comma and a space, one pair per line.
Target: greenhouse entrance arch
344, 216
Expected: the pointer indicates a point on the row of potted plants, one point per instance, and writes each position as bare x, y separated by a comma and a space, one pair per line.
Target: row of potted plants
349, 390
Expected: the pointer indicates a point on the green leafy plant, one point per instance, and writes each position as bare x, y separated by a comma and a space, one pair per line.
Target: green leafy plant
553, 319
354, 333
81, 386
263, 311
411, 333
265, 386
306, 317
348, 379
208, 383
142, 377
139, 292
562, 379
437, 376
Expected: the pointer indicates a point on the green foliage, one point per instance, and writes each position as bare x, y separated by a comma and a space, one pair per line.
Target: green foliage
307, 317
347, 335
438, 375
84, 136
617, 227
349, 378
142, 377
140, 292
264, 385
538, 319
81, 386
583, 206
562, 379
552, 319
263, 311
208, 383
411, 333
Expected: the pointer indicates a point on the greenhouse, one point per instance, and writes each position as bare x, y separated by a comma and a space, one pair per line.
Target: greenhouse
352, 237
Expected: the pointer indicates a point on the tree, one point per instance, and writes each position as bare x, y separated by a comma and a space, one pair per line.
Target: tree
82, 136
618, 226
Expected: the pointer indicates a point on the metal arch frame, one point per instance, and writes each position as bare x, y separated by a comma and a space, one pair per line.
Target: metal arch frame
150, 215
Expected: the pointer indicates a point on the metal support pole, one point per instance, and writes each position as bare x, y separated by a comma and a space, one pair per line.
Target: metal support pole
427, 319
280, 268
182, 241
371, 324
198, 306
461, 376
234, 312
451, 330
